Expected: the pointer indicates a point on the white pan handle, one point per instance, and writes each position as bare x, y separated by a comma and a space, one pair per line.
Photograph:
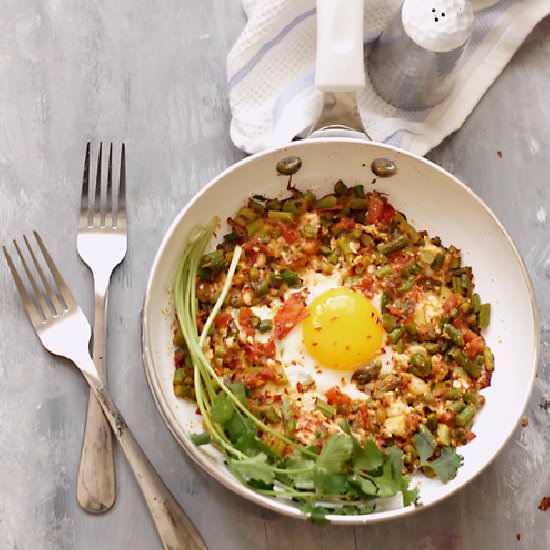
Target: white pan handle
340, 65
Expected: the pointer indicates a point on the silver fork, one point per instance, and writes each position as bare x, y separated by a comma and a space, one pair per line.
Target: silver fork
101, 243
64, 330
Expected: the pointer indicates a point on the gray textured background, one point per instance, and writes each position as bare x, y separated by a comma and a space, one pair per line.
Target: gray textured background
153, 74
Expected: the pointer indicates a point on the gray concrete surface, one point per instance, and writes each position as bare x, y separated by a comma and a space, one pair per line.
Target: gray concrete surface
153, 74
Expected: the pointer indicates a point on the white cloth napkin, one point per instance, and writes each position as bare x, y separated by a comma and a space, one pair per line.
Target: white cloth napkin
271, 69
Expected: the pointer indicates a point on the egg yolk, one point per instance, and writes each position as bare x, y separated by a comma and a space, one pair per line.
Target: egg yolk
343, 330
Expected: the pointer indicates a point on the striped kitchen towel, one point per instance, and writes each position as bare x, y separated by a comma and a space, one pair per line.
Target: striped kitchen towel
271, 69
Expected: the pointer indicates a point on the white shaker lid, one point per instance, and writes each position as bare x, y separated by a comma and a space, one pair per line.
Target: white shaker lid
438, 25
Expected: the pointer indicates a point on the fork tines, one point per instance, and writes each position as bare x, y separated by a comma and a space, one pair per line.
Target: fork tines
40, 306
101, 210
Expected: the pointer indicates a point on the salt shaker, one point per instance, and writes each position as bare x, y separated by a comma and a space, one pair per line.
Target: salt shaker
412, 65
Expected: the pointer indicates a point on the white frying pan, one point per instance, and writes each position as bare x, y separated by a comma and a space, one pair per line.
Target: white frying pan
433, 200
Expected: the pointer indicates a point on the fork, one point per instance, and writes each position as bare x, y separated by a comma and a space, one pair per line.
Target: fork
101, 244
64, 331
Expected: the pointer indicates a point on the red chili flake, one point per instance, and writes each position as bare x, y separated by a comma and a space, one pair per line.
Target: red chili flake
518, 536
222, 319
499, 154
299, 387
245, 317
524, 422
544, 504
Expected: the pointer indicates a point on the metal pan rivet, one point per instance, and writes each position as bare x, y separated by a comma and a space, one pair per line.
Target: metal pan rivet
289, 165
383, 168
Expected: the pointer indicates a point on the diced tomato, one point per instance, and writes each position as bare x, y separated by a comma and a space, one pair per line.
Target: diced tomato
446, 418
460, 322
367, 286
454, 300
335, 396
471, 436
255, 352
222, 319
290, 233
375, 207
311, 247
245, 317
363, 416
345, 224
388, 214
289, 315
474, 344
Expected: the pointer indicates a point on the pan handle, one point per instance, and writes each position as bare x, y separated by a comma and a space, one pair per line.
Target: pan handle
340, 66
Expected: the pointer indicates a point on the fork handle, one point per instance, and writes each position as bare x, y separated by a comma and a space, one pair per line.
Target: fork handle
96, 486
174, 528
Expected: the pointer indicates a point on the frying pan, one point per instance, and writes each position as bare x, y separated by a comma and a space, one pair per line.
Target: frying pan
431, 198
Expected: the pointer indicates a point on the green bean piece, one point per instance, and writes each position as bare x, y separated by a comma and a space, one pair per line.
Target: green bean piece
359, 191
281, 216
333, 258
219, 350
255, 226
178, 340
384, 301
247, 213
325, 408
395, 335
465, 308
325, 250
411, 328
421, 365
456, 406
431, 422
358, 204
232, 237
273, 204
443, 435
214, 260
408, 284
179, 375
476, 303
466, 416
290, 277
489, 359
438, 260
329, 201
399, 347
200, 439
262, 288
388, 322
473, 369
471, 396
383, 271
352, 281
367, 240
454, 335
183, 391
484, 316
265, 325
296, 206
340, 188
452, 393
310, 231
456, 286
396, 244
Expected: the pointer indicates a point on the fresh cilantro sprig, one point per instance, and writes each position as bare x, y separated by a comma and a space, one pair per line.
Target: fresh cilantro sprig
448, 462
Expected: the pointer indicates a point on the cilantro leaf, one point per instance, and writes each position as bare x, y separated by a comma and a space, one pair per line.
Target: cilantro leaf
447, 464
242, 433
255, 467
222, 409
367, 485
409, 495
335, 452
332, 484
201, 439
387, 486
425, 445
316, 514
368, 456
238, 389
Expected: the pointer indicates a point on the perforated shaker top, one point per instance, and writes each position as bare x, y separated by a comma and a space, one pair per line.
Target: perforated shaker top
438, 25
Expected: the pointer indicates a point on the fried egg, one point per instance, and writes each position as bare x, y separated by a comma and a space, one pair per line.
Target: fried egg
350, 335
